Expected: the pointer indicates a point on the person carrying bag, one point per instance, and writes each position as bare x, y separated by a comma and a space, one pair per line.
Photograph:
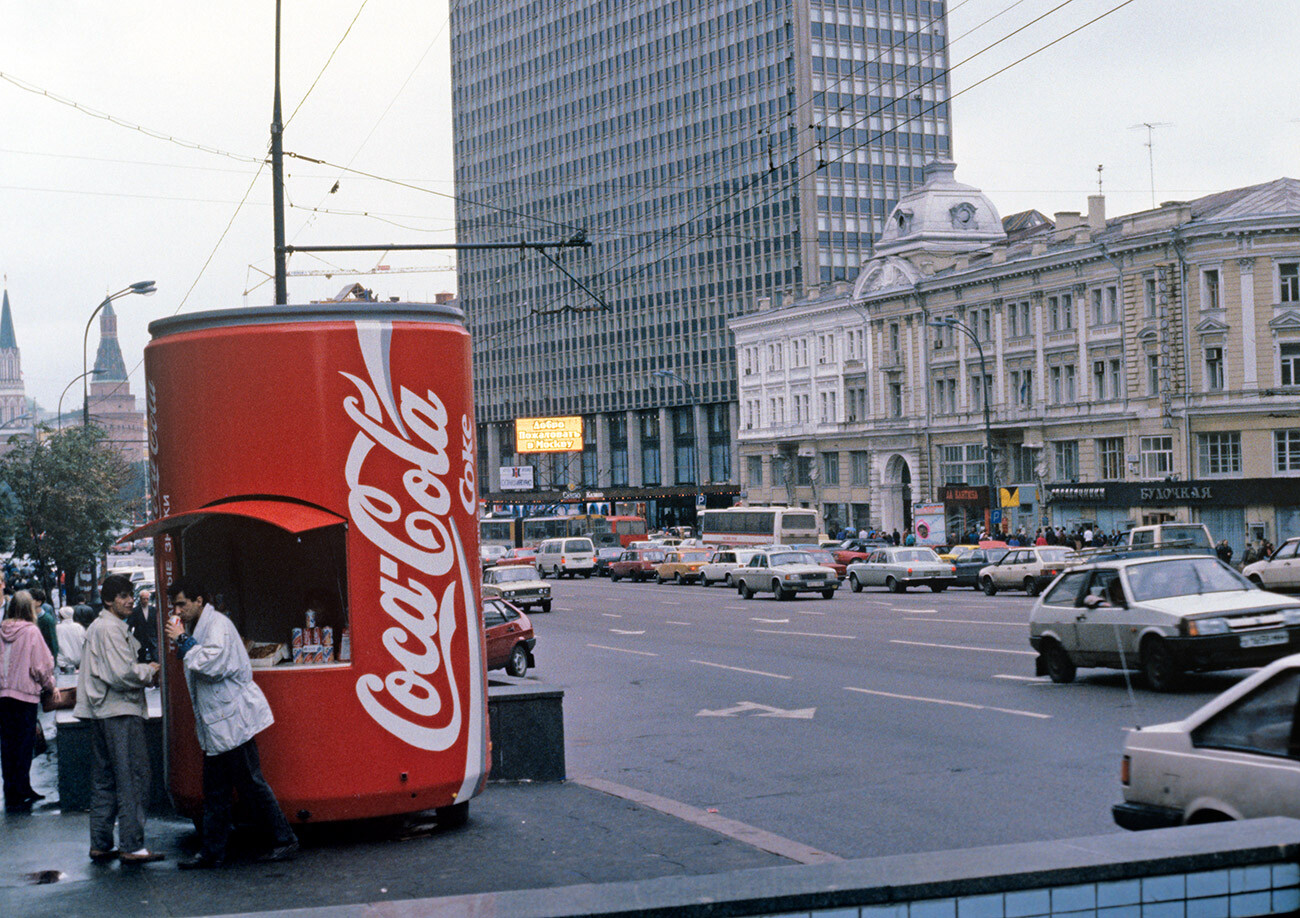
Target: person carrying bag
26, 671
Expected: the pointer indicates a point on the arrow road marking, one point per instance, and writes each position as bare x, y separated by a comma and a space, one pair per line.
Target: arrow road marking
957, 704
1019, 653
737, 669
620, 631
772, 621
767, 710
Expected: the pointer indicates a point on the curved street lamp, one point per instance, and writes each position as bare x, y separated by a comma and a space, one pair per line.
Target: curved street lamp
65, 392
952, 322
144, 288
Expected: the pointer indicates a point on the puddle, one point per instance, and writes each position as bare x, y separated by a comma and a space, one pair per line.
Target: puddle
44, 877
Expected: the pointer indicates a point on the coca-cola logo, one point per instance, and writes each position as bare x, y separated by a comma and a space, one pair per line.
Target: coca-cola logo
399, 499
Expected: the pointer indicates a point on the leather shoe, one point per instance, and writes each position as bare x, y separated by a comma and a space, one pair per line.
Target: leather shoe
200, 862
281, 853
147, 858
32, 797
103, 857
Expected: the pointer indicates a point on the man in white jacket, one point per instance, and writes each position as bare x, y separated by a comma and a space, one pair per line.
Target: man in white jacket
229, 710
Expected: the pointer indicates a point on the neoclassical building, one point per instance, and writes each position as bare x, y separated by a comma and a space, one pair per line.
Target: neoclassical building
1136, 369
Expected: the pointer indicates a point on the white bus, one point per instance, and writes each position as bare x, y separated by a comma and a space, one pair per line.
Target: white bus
760, 526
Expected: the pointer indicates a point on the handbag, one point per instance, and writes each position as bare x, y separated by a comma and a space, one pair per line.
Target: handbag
67, 699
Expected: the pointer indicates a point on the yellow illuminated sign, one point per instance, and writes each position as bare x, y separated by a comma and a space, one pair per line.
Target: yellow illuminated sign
548, 435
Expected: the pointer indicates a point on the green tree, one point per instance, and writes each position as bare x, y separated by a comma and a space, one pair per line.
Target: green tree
64, 498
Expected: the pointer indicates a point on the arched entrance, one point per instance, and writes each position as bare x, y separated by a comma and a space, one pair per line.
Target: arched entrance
896, 507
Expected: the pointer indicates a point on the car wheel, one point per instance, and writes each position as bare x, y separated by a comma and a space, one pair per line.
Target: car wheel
517, 665
726, 580
614, 576
677, 579
1031, 586
452, 817
854, 583
1257, 580
988, 586
893, 585
586, 575
541, 573
1158, 665
745, 591
938, 587
546, 605
1059, 667
828, 594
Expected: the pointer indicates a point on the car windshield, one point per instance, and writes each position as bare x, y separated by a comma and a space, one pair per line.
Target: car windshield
1183, 577
1053, 555
994, 555
916, 554
511, 574
791, 557
1191, 536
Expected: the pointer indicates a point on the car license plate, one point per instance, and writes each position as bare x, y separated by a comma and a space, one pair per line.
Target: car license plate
1264, 639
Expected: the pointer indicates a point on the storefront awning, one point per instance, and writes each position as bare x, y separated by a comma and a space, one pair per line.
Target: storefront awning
291, 517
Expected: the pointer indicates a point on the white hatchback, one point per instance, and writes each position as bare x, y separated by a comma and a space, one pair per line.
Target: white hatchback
724, 561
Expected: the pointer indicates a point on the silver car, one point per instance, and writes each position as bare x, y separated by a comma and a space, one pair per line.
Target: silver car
1281, 571
1165, 615
786, 573
896, 569
519, 584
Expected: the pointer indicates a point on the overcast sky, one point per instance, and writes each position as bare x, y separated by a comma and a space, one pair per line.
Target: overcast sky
88, 206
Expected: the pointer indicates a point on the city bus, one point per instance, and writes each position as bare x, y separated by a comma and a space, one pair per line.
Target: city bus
760, 526
500, 530
608, 531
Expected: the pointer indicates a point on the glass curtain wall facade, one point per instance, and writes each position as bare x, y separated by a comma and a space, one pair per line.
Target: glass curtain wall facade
715, 152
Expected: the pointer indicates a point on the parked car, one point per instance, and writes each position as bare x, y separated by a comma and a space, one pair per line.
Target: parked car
969, 565
1279, 571
1163, 614
785, 573
519, 584
605, 557
518, 556
896, 569
508, 635
1235, 757
1028, 569
723, 562
681, 566
636, 564
489, 555
559, 557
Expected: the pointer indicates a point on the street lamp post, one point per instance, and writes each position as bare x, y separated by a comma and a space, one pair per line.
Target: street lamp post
65, 392
952, 322
690, 403
144, 288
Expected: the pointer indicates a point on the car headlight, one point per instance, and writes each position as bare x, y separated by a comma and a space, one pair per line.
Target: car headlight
546, 591
1291, 616
1204, 626
509, 594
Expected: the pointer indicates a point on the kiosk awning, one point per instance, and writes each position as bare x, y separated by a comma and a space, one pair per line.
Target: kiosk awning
291, 517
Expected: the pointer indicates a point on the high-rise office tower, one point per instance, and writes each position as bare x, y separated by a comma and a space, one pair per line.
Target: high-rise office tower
717, 153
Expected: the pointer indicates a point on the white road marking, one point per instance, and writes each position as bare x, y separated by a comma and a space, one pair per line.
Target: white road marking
1019, 653
747, 707
772, 621
621, 631
668, 622
737, 669
1020, 678
913, 611
802, 612
758, 838
611, 615
736, 608
843, 637
947, 701
639, 653
966, 621
666, 602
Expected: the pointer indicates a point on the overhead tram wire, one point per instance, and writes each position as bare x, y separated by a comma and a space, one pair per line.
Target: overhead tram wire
752, 183
328, 61
912, 118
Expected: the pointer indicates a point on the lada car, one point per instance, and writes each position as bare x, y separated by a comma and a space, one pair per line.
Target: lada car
489, 555
851, 550
785, 573
519, 584
957, 552
1191, 538
1279, 571
605, 557
1237, 757
969, 564
1163, 614
1028, 569
508, 636
723, 562
896, 569
681, 566
518, 556
636, 564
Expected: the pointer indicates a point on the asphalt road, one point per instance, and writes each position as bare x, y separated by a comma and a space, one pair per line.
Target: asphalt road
865, 725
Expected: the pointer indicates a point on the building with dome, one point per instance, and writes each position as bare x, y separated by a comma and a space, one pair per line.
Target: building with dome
1131, 366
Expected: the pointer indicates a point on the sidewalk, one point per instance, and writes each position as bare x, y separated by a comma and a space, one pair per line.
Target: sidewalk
520, 836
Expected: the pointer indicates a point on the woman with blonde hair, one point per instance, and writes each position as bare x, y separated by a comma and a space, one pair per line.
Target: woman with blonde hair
26, 669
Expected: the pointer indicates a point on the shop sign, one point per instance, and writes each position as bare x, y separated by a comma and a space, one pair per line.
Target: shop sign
1235, 493
964, 494
548, 435
516, 478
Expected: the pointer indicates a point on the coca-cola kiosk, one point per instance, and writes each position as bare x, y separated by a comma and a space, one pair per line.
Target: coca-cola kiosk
314, 467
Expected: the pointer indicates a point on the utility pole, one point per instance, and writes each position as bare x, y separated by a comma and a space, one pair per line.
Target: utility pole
1151, 151
277, 178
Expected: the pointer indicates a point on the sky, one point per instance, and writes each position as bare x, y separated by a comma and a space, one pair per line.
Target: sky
92, 200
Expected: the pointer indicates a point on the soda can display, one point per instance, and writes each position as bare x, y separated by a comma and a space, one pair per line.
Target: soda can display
329, 451
327, 644
311, 617
296, 643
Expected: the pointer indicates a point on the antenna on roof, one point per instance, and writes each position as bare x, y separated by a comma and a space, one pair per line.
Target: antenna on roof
1099, 168
1151, 156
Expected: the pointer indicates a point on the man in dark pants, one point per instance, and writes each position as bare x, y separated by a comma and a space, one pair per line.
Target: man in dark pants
229, 710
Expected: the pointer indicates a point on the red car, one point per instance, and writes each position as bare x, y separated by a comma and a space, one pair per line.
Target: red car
518, 556
823, 557
851, 550
509, 637
637, 564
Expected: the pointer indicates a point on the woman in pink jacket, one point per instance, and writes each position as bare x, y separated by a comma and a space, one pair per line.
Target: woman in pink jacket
26, 669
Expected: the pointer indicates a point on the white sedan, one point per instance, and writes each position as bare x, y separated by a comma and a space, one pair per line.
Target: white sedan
724, 561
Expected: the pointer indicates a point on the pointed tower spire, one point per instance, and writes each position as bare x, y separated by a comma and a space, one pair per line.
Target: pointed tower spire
109, 365
7, 337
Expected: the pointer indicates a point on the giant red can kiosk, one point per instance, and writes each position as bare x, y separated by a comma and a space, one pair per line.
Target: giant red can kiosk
314, 467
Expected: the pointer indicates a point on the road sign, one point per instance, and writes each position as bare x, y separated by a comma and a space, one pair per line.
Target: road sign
995, 517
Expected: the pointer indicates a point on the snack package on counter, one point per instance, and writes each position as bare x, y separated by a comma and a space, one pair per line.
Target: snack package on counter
297, 642
327, 644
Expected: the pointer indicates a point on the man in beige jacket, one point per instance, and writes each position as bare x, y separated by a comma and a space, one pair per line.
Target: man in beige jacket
110, 694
